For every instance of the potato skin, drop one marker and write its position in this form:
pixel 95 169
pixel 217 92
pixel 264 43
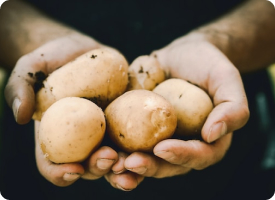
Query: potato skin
pixel 71 129
pixel 192 105
pixel 145 72
pixel 139 119
pixel 99 75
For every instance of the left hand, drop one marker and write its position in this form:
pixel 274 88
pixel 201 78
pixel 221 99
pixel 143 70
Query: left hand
pixel 195 59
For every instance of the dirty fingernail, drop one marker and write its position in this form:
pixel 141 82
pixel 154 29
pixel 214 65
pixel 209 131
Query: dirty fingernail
pixel 216 131
pixel 119 172
pixel 167 155
pixel 70 176
pixel 121 188
pixel 139 170
pixel 104 163
pixel 15 107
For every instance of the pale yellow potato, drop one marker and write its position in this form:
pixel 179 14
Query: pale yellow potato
pixel 71 129
pixel 139 119
pixel 192 105
pixel 145 72
pixel 100 75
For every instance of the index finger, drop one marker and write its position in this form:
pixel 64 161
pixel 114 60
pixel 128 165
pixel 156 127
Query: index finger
pixel 19 91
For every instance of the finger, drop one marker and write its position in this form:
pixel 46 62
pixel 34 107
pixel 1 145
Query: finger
pixel 193 154
pixel 31 69
pixel 231 110
pixel 151 166
pixel 118 167
pixel 58 174
pixel 100 163
pixel 126 181
pixel 19 91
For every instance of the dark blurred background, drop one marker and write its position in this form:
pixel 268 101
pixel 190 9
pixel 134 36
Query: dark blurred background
pixel 246 172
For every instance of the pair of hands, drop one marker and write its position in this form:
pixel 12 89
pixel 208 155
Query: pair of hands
pixel 191 58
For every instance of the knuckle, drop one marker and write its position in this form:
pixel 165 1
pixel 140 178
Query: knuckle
pixel 186 160
pixel 245 113
pixel 203 165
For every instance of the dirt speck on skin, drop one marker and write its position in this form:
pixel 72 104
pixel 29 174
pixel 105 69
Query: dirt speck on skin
pixel 141 69
pixel 30 74
pixel 39 78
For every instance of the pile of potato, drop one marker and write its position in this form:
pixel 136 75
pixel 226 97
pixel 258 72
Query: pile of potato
pixel 99 94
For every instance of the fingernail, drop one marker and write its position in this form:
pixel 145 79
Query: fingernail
pixel 121 188
pixel 15 107
pixel 70 176
pixel 104 163
pixel 119 172
pixel 139 170
pixel 216 131
pixel 167 155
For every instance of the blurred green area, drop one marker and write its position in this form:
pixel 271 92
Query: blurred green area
pixel 3 75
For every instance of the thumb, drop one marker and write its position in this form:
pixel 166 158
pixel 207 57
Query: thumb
pixel 19 92
pixel 211 70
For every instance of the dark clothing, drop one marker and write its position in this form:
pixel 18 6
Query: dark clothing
pixel 136 28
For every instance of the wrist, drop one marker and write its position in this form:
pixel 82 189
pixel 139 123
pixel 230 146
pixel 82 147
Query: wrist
pixel 27 29
pixel 233 43
pixel 245 36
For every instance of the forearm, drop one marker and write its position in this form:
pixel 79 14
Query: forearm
pixel 23 29
pixel 246 35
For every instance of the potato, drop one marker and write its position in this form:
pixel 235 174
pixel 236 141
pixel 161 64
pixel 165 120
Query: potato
pixel 99 75
pixel 145 72
pixel 192 105
pixel 71 129
pixel 139 119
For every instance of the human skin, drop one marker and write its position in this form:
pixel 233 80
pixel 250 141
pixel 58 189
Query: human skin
pixel 212 56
